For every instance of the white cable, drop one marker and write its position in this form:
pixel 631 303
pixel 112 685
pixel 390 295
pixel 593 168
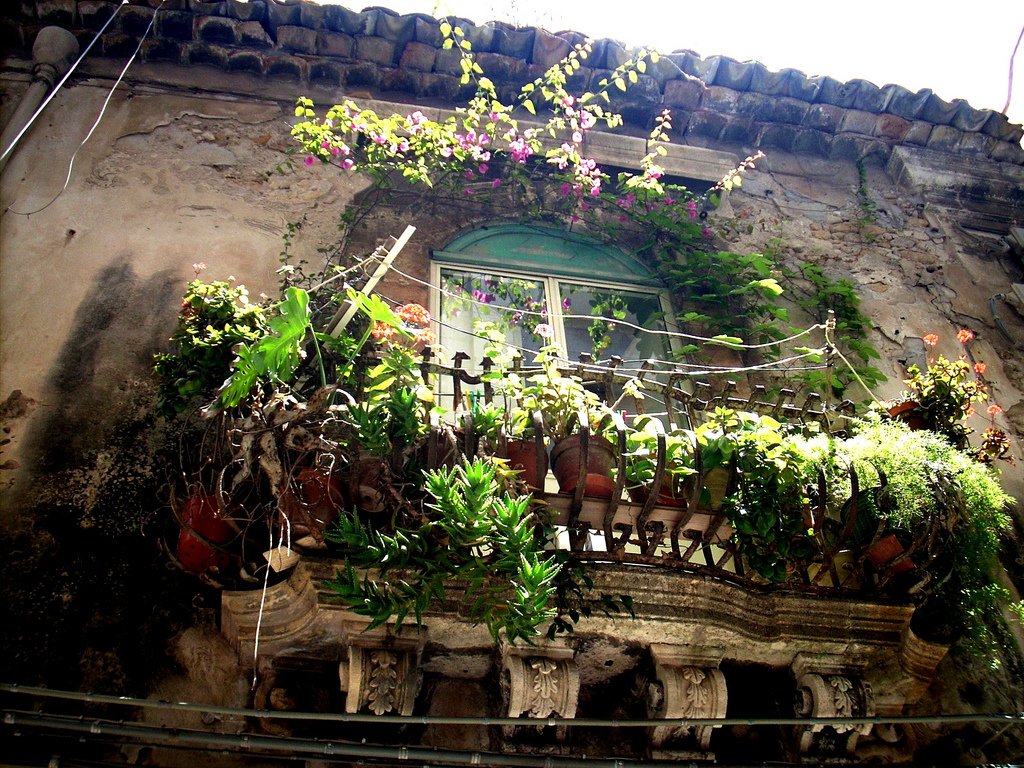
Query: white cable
pixel 63 80
pixel 705 370
pixel 95 125
pixel 675 334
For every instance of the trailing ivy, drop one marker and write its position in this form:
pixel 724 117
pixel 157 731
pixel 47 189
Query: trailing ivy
pixel 816 293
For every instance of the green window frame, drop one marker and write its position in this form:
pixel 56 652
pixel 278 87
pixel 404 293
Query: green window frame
pixel 555 274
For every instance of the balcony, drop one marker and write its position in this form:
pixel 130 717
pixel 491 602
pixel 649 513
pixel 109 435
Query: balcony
pixel 826 597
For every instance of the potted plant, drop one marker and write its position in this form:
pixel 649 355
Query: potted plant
pixel 562 400
pixel 940 398
pixel 768 508
pixel 642 461
pixel 214 318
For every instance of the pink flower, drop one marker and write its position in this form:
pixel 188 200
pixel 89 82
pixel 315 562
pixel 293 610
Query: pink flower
pixel 482 168
pixel 577 137
pixel 496 183
pixel 347 164
pixel 931 339
pixel 310 160
pixel 994 409
pixel 544 330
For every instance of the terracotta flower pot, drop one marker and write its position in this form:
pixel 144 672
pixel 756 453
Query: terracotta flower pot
pixel 565 463
pixel 907 412
pixel 203 528
pixel 364 488
pixel 522 456
pixel 665 498
pixel 312 502
pixel 884 551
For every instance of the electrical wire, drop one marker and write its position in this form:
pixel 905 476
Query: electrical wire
pixel 348 717
pixel 652 331
pixel 63 80
pixel 99 118
pixel 671 365
pixel 835 349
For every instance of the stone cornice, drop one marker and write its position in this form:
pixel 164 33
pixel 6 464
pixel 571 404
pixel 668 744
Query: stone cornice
pixel 304 47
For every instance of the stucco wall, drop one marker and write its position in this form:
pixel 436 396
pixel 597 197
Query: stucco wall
pixel 91 286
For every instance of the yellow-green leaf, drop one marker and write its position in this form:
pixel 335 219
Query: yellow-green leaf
pixel 620 83
pixel 446 28
pixel 632 76
pixel 642 66
pixel 528 106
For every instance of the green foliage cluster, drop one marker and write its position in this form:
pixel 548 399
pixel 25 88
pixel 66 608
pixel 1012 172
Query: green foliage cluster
pixel 214 318
pixel 944 394
pixel 475 536
pixel 927 483
pixel 767 509
pixel 817 294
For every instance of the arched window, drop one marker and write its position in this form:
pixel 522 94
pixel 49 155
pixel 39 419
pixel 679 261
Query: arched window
pixel 520 277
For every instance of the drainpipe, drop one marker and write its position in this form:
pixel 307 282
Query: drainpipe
pixel 53 52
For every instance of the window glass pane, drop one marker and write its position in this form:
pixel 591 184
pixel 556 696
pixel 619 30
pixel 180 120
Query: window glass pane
pixel 515 305
pixel 604 338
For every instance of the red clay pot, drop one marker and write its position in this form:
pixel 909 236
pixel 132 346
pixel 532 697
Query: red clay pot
pixel 316 504
pixel 665 498
pixel 203 527
pixel 907 412
pixel 565 463
pixel 522 456
pixel 884 551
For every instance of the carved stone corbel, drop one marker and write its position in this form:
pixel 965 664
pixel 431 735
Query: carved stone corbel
pixel 688 684
pixel 382 672
pixel 540 681
pixel 827 688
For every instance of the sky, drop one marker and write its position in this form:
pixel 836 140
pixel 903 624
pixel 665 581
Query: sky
pixel 957 50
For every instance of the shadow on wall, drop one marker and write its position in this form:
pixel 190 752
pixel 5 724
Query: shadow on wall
pixel 88 599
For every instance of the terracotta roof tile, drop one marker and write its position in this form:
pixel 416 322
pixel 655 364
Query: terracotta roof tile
pixel 714 99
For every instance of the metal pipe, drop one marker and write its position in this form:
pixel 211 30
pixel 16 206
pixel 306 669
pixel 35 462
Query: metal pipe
pixel 1016 718
pixel 53 49
pixel 311 747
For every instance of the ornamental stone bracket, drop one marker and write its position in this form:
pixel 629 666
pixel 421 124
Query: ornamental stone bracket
pixel 826 687
pixel 688 684
pixel 382 673
pixel 539 681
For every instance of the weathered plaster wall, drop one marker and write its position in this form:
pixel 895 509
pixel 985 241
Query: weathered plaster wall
pixel 171 178
pixel 166 182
